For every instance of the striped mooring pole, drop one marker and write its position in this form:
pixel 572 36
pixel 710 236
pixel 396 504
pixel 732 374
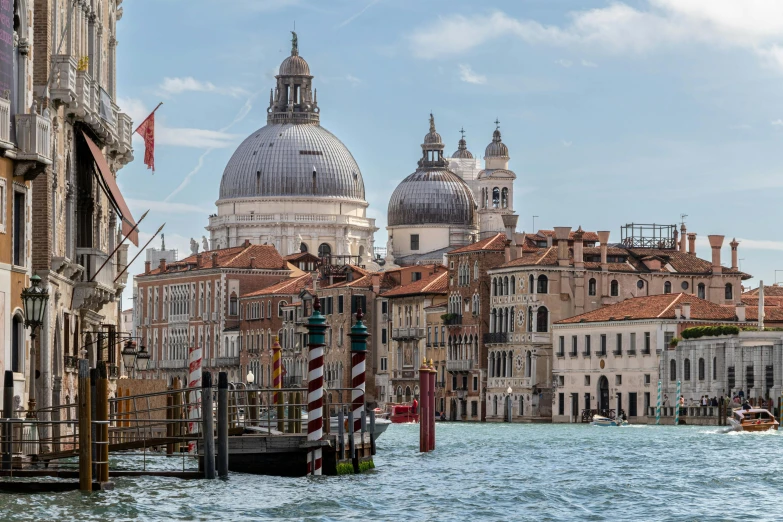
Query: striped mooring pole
pixel 658 407
pixel 677 409
pixel 358 337
pixel 316 327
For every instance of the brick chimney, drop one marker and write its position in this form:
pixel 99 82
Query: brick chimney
pixel 147 267
pixel 603 238
pixel 162 265
pixel 678 312
pixel 692 243
pixel 198 260
pixel 740 311
pixel 561 234
pixel 214 260
pixel 548 241
pixel 579 257
pixel 246 243
pixel 734 260
pixel 376 283
pixel 683 235
pixel 716 242
pixel 686 310
pixel 252 262
pixel 510 223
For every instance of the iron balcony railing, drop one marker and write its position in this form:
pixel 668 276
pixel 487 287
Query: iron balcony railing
pixel 496 338
pixel 459 365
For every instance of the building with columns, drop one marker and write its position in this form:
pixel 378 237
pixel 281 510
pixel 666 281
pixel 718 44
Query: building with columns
pixel 292 183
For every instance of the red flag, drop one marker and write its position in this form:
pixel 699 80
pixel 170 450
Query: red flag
pixel 147 131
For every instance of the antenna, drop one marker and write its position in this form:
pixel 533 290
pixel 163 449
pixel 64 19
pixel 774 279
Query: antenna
pixel 682 218
pixel 776 275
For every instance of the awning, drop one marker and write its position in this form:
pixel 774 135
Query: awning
pixel 114 191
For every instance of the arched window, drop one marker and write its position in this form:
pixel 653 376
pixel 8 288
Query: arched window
pixel 504 198
pixel 714 368
pixel 543 284
pixel 667 287
pixel 701 291
pixel 591 286
pixel 324 250
pixel 528 363
pixel 233 304
pixel 729 291
pixel 494 286
pixel 280 306
pixel 505 286
pixel 686 370
pixel 532 284
pixel 542 319
pixel 513 285
pixel 673 370
pixel 701 369
pixel 303 247
pixel 495 197
pixel 475 271
pixel 529 318
pixel 492 364
pixel 17 344
pixel 614 288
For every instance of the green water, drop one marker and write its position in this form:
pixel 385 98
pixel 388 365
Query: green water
pixel 476 473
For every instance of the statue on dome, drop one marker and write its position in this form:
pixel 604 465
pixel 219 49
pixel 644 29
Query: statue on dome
pixel 294 44
pixel 193 246
pixel 204 243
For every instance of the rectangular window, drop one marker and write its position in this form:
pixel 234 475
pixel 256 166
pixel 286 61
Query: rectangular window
pixel 588 338
pixel 383 336
pixel 731 378
pixel 2 206
pixel 646 378
pixel 561 403
pixel 573 346
pixel 19 229
pixel 561 346
pixel 474 409
pixel 429 336
pixel 749 376
pixel 587 380
pixel 453 382
pixel 442 335
pixel 618 348
pixel 384 307
pixel 384 364
pixel 436 335
pixel 632 344
pixel 339 304
pixel 358 301
pixel 618 380
pixel 647 342
pixel 415 276
pixel 603 344
pixel 667 339
pixel 464 382
pixel 414 241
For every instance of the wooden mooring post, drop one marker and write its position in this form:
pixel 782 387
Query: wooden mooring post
pixel 208 425
pixel 85 440
pixel 177 411
pixel 169 424
pixel 222 432
pixel 102 426
pixel 8 413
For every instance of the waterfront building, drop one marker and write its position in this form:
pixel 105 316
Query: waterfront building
pixel 412 335
pixel 195 302
pixel 435 318
pixel 556 275
pixel 609 358
pixel 292 183
pixel 448 202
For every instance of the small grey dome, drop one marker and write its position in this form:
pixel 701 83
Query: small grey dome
pixel 432 137
pixel 431 196
pixel 279 160
pixel 462 151
pixel 496 149
pixel 294 65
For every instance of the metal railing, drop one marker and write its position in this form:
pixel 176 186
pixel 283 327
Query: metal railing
pixel 496 338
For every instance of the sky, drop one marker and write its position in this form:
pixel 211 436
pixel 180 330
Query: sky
pixel 614 112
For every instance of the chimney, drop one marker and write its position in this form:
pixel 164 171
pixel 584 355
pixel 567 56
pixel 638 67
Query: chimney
pixel 682 237
pixel 579 258
pixel 676 239
pixel 147 266
pixel 162 265
pixel 678 312
pixel 246 243
pixel 548 241
pixel 734 261
pixel 214 260
pixel 740 312
pixel 603 238
pixel 510 222
pixel 561 234
pixel 716 242
pixel 252 262
pixel 376 283
pixel 198 260
pixel 686 310
pixel 692 243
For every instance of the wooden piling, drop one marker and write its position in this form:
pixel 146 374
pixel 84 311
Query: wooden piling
pixel 102 415
pixel 372 432
pixel 208 425
pixel 177 411
pixel 85 440
pixel 222 432
pixel 298 412
pixel 169 424
pixel 341 433
pixel 352 442
pixel 8 413
pixel 93 416
pixel 252 406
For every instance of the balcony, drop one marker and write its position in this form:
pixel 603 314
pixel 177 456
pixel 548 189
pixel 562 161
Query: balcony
pixel 573 353
pixel 459 366
pixel 617 353
pixel 34 141
pixel 586 353
pixel 631 352
pixel 407 333
pixel 172 364
pixel 224 361
pixel 63 86
pixel 452 320
pixel 496 338
pixel 95 288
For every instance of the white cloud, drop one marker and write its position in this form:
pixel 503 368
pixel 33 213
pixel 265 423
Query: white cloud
pixel 466 74
pixel 164 207
pixel 753 25
pixel 588 63
pixel 198 138
pixel 189 84
pixel 567 143
pixel 352 79
pixel 760 244
pixel 564 63
pixel 777 122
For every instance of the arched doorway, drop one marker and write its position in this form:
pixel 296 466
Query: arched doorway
pixel 407 394
pixel 17 344
pixel 603 393
pixel 324 250
pixel 453 412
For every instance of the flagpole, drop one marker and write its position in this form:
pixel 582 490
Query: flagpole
pixel 147 118
pixel 135 226
pixel 139 253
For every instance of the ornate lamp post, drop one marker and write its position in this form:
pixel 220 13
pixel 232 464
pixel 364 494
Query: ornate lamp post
pixel 34 299
pixel 509 400
pixel 143 359
pixel 129 354
pixel 250 378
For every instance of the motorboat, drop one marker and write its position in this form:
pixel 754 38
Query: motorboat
pixel 380 425
pixel 599 420
pixel 753 419
pixel 403 413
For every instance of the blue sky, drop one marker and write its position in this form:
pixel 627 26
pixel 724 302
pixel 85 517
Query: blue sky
pixel 613 112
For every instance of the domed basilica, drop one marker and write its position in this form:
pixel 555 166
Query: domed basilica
pixel 293 183
pixel 448 202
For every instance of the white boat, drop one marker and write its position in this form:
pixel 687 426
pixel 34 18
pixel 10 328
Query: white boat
pixel 380 425
pixel 598 420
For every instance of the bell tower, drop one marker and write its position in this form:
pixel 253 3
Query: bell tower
pixel 293 100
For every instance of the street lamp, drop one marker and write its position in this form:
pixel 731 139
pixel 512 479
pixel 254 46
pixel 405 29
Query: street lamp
pixel 509 400
pixel 250 377
pixel 143 359
pixel 34 299
pixel 129 354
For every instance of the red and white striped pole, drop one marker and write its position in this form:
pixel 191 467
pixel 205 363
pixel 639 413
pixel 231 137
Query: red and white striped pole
pixel 358 359
pixel 316 327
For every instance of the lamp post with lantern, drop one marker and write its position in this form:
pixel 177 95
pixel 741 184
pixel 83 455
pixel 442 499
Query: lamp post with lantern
pixel 133 359
pixel 509 400
pixel 34 299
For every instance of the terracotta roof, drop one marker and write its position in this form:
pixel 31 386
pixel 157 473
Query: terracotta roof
pixel 494 243
pixel 360 282
pixel 656 307
pixel 772 314
pixel 301 255
pixel 265 257
pixel 434 284
pixel 753 300
pixel 769 291
pixel 586 236
pixel 286 287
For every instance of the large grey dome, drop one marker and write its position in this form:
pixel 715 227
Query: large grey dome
pixel 280 160
pixel 431 196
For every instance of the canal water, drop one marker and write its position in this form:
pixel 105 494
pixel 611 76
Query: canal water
pixel 477 472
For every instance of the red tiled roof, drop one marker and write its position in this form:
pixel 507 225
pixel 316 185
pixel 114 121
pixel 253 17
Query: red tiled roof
pixel 586 236
pixel 769 291
pixel 494 243
pixel 753 300
pixel 265 257
pixel 434 284
pixel 286 287
pixel 656 307
pixel 772 314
